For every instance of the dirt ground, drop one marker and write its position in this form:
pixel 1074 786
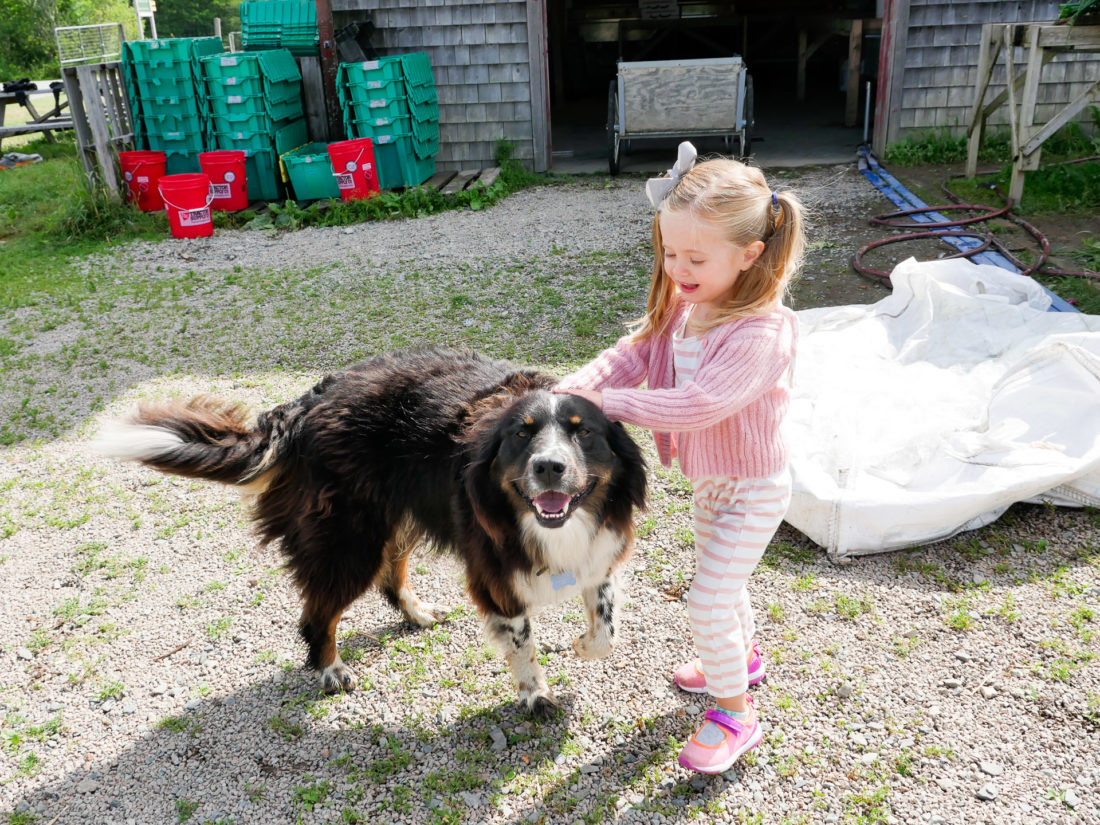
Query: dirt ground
pixel 840 225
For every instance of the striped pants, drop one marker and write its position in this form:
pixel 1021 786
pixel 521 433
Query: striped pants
pixel 734 521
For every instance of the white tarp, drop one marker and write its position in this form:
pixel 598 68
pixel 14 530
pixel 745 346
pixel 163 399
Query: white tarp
pixel 935 409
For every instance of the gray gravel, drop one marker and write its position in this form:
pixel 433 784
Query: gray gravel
pixel 151 671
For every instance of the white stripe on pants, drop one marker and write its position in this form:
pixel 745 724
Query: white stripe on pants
pixel 734 521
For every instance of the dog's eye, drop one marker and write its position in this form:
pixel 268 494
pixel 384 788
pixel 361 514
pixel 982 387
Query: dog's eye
pixel 582 432
pixel 522 434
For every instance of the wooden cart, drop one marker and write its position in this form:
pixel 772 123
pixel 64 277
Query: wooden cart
pixel 679 98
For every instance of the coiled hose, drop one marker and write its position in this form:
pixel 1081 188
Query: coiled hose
pixel 988 240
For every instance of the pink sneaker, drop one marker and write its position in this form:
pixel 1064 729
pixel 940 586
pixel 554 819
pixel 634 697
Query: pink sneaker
pixel 689 676
pixel 719 743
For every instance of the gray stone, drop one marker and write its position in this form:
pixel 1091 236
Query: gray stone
pixel 500 741
pixel 988 691
pixel 991 768
pixel 1070 798
pixel 24 653
pixel 987 792
pixel 88 785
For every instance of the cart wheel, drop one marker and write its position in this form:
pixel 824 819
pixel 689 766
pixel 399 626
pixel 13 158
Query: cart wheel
pixel 613 144
pixel 746 133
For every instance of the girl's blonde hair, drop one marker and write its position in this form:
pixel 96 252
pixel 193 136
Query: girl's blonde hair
pixel 738 201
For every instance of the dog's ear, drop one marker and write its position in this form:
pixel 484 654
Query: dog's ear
pixel 630 476
pixel 491 507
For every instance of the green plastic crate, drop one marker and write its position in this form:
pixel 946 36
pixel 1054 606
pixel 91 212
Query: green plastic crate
pixel 164 120
pixel 169 50
pixel 273 65
pixel 186 143
pixel 235 104
pixel 380 70
pixel 260 174
pixel 251 140
pixel 179 163
pixel 399 163
pixel 166 87
pixel 309 169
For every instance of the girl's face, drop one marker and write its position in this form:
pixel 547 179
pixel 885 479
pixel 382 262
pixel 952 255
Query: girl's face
pixel 701 262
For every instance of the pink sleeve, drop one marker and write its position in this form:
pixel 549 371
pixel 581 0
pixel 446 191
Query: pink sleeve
pixel 745 369
pixel 624 365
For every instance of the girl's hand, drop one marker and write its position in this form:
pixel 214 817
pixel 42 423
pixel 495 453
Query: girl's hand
pixel 595 396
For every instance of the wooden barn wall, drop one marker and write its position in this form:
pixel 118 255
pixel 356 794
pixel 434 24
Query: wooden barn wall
pixel 480 60
pixel 941 64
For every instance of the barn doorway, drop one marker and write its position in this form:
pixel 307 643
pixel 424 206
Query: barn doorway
pixel 797 56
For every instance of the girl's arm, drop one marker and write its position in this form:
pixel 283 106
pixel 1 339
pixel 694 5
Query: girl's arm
pixel 740 374
pixel 624 365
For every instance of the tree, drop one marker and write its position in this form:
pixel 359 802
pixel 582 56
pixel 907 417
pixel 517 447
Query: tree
pixel 195 18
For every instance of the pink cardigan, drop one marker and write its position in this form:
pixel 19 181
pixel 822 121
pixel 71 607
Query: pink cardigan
pixel 727 420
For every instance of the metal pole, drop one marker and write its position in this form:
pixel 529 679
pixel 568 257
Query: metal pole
pixel 867 112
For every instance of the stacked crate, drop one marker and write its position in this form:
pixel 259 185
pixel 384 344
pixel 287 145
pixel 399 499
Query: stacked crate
pixel 393 101
pixel 167 100
pixel 256 105
pixel 280 24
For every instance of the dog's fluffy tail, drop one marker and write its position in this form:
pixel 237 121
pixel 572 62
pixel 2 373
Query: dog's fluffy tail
pixel 203 438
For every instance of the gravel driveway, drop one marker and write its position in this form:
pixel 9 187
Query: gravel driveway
pixel 151 671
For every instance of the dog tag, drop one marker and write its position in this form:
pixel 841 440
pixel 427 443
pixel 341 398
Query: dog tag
pixel 560 580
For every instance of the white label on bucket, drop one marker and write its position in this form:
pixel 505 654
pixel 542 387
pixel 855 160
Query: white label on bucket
pixel 230 177
pixel 383 138
pixel 378 103
pixel 143 179
pixel 345 181
pixel 371 64
pixel 194 217
pixel 234 99
pixel 366 167
pixel 229 61
pixel 231 81
pixel 350 166
pixel 374 84
pixel 221 190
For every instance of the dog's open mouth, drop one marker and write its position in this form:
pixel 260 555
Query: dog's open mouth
pixel 553 507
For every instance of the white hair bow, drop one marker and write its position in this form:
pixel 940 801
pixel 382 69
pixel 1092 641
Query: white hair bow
pixel 657 189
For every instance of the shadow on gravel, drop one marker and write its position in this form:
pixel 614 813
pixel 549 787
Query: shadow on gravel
pixel 277 751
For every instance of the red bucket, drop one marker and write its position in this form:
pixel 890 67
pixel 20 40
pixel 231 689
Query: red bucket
pixel 142 171
pixel 353 165
pixel 225 168
pixel 188 199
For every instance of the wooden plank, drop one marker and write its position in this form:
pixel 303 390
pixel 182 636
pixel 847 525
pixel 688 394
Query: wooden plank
pixel 889 114
pixel 458 183
pixel 439 180
pixel 540 83
pixel 27 128
pixel 1090 95
pixel 489 176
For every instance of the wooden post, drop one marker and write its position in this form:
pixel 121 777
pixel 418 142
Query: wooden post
pixel 987 56
pixel 326 33
pixel 540 83
pixel 855 55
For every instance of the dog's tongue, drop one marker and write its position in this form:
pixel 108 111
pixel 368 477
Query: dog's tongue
pixel 552 502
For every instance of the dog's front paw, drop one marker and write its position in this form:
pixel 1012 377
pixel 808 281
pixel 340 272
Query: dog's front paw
pixel 589 646
pixel 542 705
pixel 337 677
pixel 423 614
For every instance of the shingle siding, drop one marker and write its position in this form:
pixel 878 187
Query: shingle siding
pixel 480 62
pixel 941 63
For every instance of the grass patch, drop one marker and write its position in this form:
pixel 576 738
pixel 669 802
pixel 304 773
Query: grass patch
pixel 48 217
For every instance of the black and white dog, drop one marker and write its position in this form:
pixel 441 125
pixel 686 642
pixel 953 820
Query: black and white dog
pixel 534 491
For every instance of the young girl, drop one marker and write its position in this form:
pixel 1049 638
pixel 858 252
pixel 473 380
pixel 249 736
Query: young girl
pixel 716 346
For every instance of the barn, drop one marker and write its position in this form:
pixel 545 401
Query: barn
pixel 536 72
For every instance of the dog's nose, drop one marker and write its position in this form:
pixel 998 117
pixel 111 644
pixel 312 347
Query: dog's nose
pixel 548 469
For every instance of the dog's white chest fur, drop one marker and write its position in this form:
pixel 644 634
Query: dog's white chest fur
pixel 577 556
